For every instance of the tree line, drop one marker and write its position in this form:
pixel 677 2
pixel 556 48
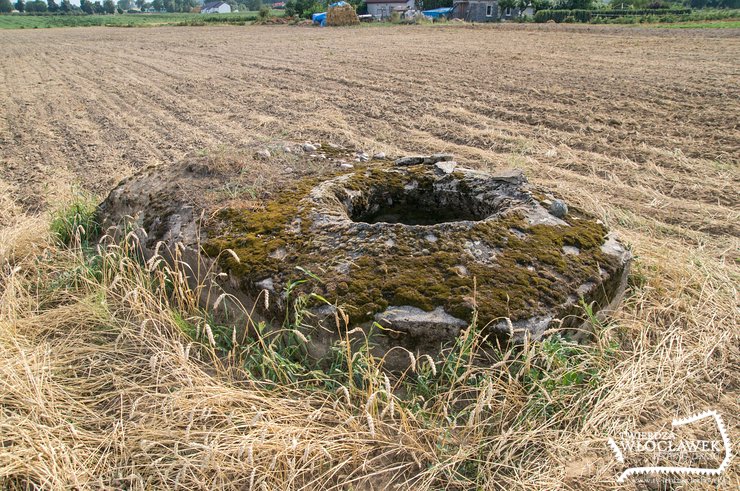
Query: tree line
pixel 111 7
pixel 303 8
pixel 592 4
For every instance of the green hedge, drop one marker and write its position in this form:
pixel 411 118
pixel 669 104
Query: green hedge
pixel 587 15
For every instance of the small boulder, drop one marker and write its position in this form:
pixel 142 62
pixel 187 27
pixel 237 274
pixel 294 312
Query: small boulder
pixel 445 167
pixel 558 209
pixel 412 160
pixel 263 154
pixel 425 159
pixel 307 147
pixel 438 157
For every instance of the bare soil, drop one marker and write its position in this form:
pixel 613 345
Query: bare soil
pixel 645 120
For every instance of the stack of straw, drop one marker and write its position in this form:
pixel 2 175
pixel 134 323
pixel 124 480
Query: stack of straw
pixel 342 15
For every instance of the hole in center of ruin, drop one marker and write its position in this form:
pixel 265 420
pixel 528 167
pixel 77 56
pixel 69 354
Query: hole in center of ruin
pixel 416 206
pixel 413 213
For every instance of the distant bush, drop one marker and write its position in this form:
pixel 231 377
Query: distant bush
pixel 589 15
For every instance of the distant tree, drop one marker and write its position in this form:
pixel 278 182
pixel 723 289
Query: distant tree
pixel 157 5
pixel 65 6
pixel 124 4
pixel 232 4
pixel 575 4
pixel 98 8
pixel 140 4
pixel 109 6
pixel 5 7
pixel 20 6
pixel 36 6
pixel 86 6
pixel 627 4
pixel 254 4
pixel 52 6
pixel 303 8
pixel 180 5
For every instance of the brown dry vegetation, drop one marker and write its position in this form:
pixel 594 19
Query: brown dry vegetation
pixel 637 126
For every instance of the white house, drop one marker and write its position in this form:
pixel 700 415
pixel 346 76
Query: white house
pixel 382 9
pixel 216 8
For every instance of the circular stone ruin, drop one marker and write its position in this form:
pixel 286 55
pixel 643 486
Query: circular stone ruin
pixel 415 247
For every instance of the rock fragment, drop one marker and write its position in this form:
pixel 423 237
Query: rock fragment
pixel 424 159
pixel 438 157
pixel 411 160
pixel 558 209
pixel 445 167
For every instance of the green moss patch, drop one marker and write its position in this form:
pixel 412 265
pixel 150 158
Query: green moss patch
pixel 527 275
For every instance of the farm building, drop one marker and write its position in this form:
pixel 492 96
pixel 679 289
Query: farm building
pixel 487 11
pixel 382 9
pixel 475 10
pixel 216 8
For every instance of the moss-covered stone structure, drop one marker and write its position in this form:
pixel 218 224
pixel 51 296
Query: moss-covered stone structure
pixel 415 247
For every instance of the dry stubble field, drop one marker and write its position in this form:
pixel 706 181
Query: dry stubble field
pixel 638 126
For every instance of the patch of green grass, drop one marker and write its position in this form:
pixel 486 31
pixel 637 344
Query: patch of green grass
pixel 730 24
pixel 75 223
pixel 127 20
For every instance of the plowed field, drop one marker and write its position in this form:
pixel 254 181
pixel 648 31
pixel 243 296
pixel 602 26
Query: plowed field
pixel 638 126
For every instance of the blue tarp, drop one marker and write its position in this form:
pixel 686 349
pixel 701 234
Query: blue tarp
pixel 437 13
pixel 320 19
